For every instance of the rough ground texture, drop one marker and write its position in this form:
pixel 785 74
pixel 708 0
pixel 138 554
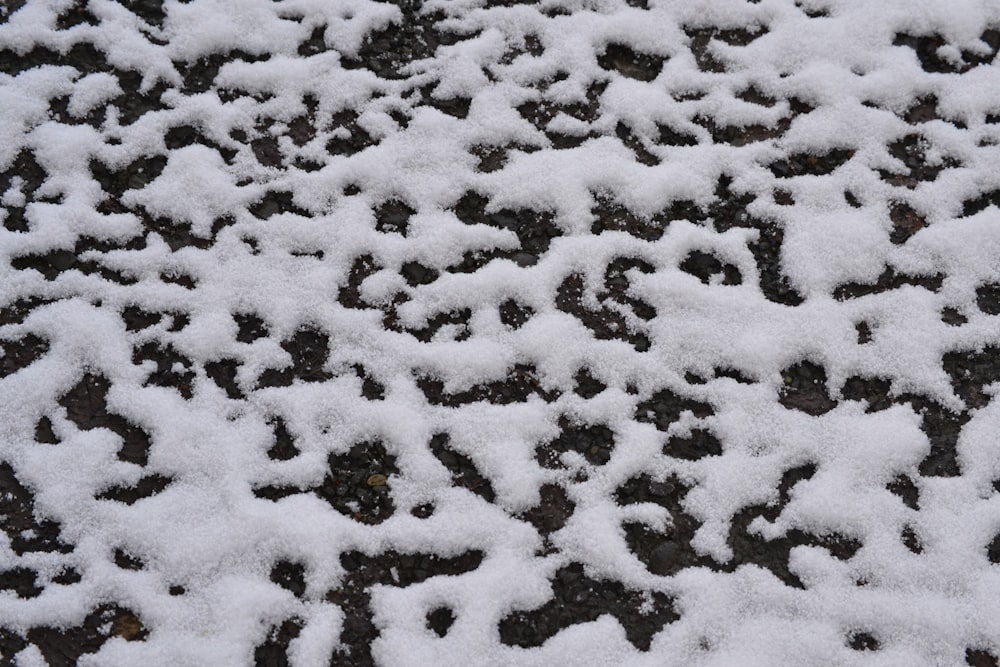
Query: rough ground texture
pixel 494 333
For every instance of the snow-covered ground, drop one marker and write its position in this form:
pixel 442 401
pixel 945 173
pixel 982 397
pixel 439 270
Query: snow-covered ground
pixel 586 332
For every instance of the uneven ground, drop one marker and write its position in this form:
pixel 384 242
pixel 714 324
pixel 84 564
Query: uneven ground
pixel 497 333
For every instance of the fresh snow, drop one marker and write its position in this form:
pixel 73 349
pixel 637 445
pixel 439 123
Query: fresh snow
pixel 210 533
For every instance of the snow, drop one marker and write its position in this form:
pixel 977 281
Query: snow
pixel 209 531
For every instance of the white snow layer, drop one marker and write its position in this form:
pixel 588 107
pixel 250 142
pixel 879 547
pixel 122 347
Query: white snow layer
pixel 209 532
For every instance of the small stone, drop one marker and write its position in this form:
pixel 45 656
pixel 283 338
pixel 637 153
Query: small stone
pixel 663 559
pixel 128 627
pixel 377 479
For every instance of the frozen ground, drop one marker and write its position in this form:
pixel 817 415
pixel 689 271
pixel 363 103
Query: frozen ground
pixel 586 332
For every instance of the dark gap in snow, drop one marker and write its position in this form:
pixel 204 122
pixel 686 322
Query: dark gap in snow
pixel 390 568
pixel 86 406
pixel 284 447
pixel 423 511
pixel 493 158
pixel 371 389
pixel 178 321
pixel 594 441
pixel 980 657
pixel 783 198
pixel 63 647
pixel 668 136
pixel 308 349
pixel 753 95
pixel 663 553
pixel 873 390
pixel 44 433
pixel 273 652
pixel 741 135
pixel 515 314
pixel 729 209
pixel 518 386
pixel 707 268
pixel 133 104
pixel 275 203
pixel 16 311
pixel 356 484
pixel 905 222
pixel 173 370
pixel 862 641
pixel 805 389
pixel 82 55
pixel 701 443
pixel 617 284
pixel 314 44
pixel 178 235
pixel 587 386
pixel 604 323
pixel 55 262
pixel 179 278
pixel 553 510
pixel 981 203
pixel 543 111
pixel 665 407
pixel 942 427
pixel 146 487
pixel 928 55
pixel 971 371
pixel 76 14
pixel 811 164
pixel 137 319
pixel 911 541
pixel 733 374
pixel 223 373
pixel 534 230
pixel 250 327
pixel 417 35
pixel 20 353
pixel 20 580
pixel 137 174
pixel 630 63
pixel 346 136
pixel 578 598
pixel 199 75
pixel 464 473
pixel 127 561
pixel 416 274
pixel 290 576
pixel 150 11
pixel 911 150
pixel 864 332
pixel 610 215
pixel 393 216
pixel 458 107
pixel 988 298
pixel 30 176
pixel 457 320
pixel 182 136
pixel 440 620
pixel 887 280
pixel 953 316
pixel 26 532
pixel 633 143
pixel 924 110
